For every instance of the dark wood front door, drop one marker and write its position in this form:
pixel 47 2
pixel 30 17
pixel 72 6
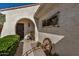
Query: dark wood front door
pixel 20 30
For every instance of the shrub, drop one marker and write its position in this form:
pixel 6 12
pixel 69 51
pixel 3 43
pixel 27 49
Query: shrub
pixel 8 44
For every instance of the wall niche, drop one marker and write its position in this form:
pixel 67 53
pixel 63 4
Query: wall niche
pixel 51 21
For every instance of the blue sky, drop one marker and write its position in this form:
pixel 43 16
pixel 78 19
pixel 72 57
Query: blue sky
pixel 9 5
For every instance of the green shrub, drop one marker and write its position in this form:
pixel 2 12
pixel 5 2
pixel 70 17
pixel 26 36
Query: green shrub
pixel 8 44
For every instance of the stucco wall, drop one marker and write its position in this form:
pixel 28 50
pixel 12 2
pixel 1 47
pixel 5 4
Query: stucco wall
pixel 27 28
pixel 53 37
pixel 69 27
pixel 13 16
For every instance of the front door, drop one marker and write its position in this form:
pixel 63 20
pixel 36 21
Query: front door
pixel 20 30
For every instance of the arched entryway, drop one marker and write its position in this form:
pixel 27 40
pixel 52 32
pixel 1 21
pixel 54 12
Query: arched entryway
pixel 25 26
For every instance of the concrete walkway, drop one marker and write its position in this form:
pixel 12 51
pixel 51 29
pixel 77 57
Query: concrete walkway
pixel 19 50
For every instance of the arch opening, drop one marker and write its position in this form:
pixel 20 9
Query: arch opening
pixel 25 26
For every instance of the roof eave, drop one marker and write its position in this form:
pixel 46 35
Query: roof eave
pixel 6 9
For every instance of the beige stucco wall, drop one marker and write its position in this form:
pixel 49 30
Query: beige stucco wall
pixel 13 16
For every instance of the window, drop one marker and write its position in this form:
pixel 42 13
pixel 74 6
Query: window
pixel 52 21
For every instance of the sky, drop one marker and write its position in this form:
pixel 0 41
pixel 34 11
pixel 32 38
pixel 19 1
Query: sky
pixel 10 5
